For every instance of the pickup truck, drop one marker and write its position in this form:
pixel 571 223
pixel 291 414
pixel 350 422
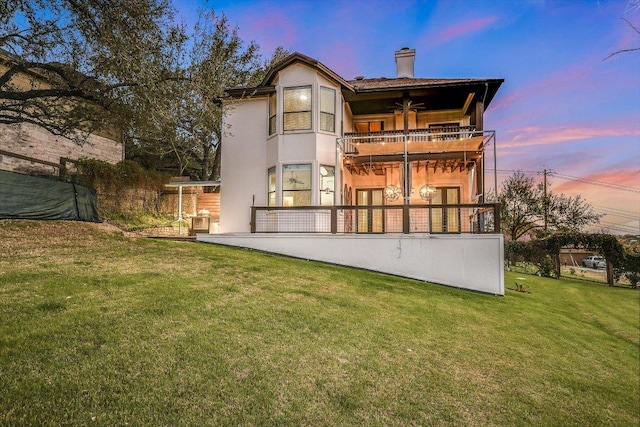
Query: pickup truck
pixel 594 262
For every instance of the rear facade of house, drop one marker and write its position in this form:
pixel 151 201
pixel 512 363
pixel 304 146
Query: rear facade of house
pixel 308 153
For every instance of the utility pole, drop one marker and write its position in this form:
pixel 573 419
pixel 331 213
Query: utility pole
pixel 545 202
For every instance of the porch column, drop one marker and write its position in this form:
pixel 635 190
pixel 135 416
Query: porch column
pixel 179 202
pixel 479 125
pixel 405 111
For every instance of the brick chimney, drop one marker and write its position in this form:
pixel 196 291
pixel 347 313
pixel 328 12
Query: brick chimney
pixel 405 58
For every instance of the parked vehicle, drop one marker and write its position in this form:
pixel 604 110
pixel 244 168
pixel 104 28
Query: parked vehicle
pixel 594 262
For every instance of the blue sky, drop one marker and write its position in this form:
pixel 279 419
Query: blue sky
pixel 562 106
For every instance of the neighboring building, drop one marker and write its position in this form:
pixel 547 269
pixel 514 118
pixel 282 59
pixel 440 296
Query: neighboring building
pixel 28 148
pixel 311 153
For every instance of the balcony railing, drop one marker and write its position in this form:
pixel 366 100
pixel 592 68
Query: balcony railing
pixel 432 219
pixel 439 139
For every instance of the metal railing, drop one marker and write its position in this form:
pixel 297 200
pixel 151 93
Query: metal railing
pixel 352 140
pixel 432 219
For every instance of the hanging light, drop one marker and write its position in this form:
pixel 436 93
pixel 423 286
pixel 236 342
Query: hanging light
pixel 391 193
pixel 427 192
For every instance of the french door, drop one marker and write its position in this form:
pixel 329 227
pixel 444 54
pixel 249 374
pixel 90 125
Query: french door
pixel 369 220
pixel 445 220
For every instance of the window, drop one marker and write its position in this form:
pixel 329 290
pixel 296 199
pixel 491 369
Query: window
pixel 296 185
pixel 375 126
pixel 445 220
pixel 327 109
pixel 272 113
pixel 297 108
pixel 271 178
pixel 327 179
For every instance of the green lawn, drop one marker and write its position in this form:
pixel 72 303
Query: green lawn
pixel 97 329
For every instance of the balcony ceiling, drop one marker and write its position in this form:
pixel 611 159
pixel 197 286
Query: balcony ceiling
pixel 383 96
pixel 375 104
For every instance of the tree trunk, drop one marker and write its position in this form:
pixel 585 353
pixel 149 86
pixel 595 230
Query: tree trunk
pixel 215 173
pixel 557 265
pixel 610 277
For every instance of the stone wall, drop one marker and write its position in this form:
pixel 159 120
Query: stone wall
pixel 33 141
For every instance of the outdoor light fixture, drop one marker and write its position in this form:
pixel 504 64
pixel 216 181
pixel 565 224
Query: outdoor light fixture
pixel 391 193
pixel 427 192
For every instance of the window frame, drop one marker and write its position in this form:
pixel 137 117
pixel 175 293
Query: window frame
pixel 285 112
pixel 328 190
pixel 273 114
pixel 291 192
pixel 271 191
pixel 323 112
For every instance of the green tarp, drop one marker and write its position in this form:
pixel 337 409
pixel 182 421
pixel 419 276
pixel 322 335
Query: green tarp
pixel 28 197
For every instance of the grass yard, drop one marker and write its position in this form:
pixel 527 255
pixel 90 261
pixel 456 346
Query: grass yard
pixel 102 330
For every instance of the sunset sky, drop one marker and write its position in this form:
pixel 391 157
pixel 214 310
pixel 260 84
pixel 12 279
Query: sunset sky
pixel 563 107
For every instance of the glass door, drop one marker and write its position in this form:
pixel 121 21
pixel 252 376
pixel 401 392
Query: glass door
pixel 369 220
pixel 445 220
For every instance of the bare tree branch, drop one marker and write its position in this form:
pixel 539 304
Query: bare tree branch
pixel 625 50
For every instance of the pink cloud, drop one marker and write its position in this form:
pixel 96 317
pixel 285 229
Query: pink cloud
pixel 458 29
pixel 533 136
pixel 625 177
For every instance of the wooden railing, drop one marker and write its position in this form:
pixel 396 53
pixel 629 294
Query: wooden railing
pixel 407 219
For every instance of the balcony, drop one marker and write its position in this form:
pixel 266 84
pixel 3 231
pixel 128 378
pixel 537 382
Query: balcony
pixel 406 219
pixel 418 144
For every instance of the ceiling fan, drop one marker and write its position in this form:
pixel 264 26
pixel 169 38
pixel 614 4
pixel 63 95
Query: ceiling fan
pixel 294 180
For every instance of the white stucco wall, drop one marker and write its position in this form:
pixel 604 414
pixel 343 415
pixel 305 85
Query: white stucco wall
pixel 243 164
pixel 473 262
pixel 248 152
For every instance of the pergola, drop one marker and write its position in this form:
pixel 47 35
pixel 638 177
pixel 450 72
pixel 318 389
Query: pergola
pixel 180 185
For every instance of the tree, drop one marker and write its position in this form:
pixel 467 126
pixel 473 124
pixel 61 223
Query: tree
pixel 634 49
pixel 520 205
pixel 524 207
pixel 191 135
pixel 69 65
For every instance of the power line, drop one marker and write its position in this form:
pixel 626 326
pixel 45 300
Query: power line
pixel 619 227
pixel 593 182
pixel 607 208
pixel 574 178
pixel 621 215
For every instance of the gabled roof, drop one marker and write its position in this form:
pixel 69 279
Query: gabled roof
pixel 363 91
pixel 266 87
pixel 300 58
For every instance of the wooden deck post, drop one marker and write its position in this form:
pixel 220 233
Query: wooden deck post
pixel 496 218
pixel 334 220
pixel 253 219
pixel 406 219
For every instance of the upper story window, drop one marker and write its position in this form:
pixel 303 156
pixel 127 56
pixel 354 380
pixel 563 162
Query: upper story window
pixel 272 113
pixel 297 108
pixel 327 109
pixel 372 126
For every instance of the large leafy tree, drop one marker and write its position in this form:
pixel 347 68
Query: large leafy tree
pixel 524 207
pixel 182 125
pixel 69 65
